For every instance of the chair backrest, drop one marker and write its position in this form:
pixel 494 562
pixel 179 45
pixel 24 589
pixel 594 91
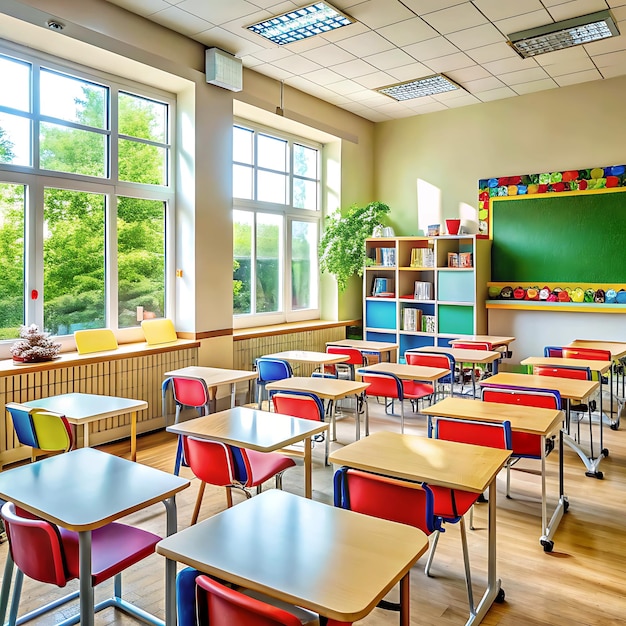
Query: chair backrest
pixel 488 434
pixel 556 351
pixel 383 384
pixel 40 429
pixel 592 354
pixel 190 391
pixel 210 461
pixel 385 497
pixel 36 546
pixel 563 371
pixel 159 331
pixel 473 345
pixel 95 340
pixel 430 359
pixel 298 404
pixel 542 398
pixel 270 369
pixel 356 357
pixel 219 605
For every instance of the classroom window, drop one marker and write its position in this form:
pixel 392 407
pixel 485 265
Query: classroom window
pixel 85 190
pixel 276 192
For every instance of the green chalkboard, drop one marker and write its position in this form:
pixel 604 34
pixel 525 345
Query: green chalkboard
pixel 568 237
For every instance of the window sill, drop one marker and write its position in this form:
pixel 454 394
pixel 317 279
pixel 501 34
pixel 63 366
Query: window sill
pixel 288 328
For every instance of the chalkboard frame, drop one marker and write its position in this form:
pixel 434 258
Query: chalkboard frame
pixel 570 237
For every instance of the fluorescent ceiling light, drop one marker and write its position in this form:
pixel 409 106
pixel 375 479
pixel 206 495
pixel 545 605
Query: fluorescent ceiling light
pixel 565 34
pixel 429 86
pixel 314 19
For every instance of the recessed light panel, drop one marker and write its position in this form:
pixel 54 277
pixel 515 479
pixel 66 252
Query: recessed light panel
pixel 565 34
pixel 314 19
pixel 429 86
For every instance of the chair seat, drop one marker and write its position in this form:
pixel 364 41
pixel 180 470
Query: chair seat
pixel 115 547
pixel 414 390
pixel 306 617
pixel 265 465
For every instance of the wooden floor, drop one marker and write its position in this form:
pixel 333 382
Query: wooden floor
pixel 581 582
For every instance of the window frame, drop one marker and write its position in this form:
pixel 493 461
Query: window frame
pixel 35 179
pixel 289 214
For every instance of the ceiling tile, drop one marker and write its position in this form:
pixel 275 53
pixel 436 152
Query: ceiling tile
pixel 429 6
pixel 511 64
pixel 468 74
pixel 455 18
pixel 345 87
pixel 463 101
pixel 495 94
pixel 297 65
pixel 142 7
pixel 614 44
pixel 269 55
pixel 450 62
pixel 614 70
pixel 365 44
pixel 219 38
pixel 612 58
pixel 566 10
pixel 409 72
pixel 431 49
pixel 524 21
pixel 483 84
pixel 181 21
pixel 408 32
pixel 218 12
pixel 322 76
pixel 523 76
pixel 375 80
pixel 353 69
pixel 577 77
pixel 578 65
pixel 345 32
pixel 534 85
pixel 502 9
pixel 376 14
pixel 328 54
pixel 492 52
pixel 476 37
pixel 389 59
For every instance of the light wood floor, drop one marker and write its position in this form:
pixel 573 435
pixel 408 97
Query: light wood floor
pixel 580 583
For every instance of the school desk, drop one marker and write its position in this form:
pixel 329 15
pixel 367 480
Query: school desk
pixel 365 347
pixel 308 357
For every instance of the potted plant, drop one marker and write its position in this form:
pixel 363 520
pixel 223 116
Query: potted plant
pixel 34 346
pixel 342 247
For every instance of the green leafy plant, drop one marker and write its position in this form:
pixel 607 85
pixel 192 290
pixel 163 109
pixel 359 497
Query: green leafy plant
pixel 342 247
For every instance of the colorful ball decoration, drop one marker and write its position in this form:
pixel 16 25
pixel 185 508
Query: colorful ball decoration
pixel 494 292
pixel 621 297
pixel 577 295
pixel 519 293
pixel 610 296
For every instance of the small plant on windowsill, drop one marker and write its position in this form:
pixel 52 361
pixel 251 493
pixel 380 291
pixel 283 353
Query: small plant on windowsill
pixel 34 346
pixel 342 247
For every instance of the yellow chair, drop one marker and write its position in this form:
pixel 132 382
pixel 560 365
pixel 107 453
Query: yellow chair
pixel 159 331
pixel 95 340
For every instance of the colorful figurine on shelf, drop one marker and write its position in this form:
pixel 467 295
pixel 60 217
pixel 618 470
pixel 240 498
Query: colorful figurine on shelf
pixel 599 296
pixel 577 295
pixel 519 293
pixel 544 293
pixel 506 293
pixel 564 296
pixel 589 295
pixel 611 296
pixel 494 292
pixel 532 293
pixel 621 297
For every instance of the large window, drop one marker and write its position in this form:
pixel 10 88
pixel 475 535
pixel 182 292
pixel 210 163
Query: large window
pixel 276 191
pixel 85 190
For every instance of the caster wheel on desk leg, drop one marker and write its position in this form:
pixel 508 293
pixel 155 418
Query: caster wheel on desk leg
pixel 598 475
pixel 565 506
pixel 614 426
pixel 481 498
pixel 500 597
pixel 548 545
pixel 605 452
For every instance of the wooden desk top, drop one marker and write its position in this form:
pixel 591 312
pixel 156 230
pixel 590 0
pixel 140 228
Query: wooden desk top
pixel 307 356
pixel 434 461
pixel 86 488
pixel 463 355
pixel 214 376
pixel 494 340
pixel 595 366
pixel 616 348
pixel 524 419
pixel 366 346
pixel 325 559
pixel 255 430
pixel 87 407
pixel 569 388
pixel 326 388
pixel 406 372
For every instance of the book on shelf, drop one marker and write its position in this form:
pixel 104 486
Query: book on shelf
pixel 383 287
pixel 428 323
pixel 465 259
pixel 423 290
pixel 385 257
pixel 412 319
pixel 422 257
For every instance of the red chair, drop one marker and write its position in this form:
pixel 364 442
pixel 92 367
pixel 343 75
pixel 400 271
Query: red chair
pixel 188 392
pixel 304 405
pixel 227 466
pixel 452 504
pixel 219 605
pixel 387 498
pixel 524 445
pixel 389 386
pixel 334 370
pixel 49 554
pixel 472 372
pixel 434 359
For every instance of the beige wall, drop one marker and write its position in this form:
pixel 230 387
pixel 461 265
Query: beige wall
pixel 569 128
pixel 101 35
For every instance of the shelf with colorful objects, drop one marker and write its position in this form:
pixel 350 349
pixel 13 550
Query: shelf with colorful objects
pixel 571 297
pixel 429 295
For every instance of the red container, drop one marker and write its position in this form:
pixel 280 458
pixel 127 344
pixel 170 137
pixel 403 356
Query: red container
pixel 452 226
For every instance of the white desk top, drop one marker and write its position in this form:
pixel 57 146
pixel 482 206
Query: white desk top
pixel 326 388
pixel 406 372
pixel 213 376
pixel 556 361
pixel 328 560
pixel 307 356
pixel 255 430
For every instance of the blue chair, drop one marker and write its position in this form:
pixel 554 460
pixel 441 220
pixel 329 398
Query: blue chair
pixel 269 370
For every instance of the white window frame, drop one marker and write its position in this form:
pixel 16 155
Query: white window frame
pixel 36 180
pixel 289 214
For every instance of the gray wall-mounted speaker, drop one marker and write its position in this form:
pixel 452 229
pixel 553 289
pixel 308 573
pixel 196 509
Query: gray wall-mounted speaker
pixel 224 70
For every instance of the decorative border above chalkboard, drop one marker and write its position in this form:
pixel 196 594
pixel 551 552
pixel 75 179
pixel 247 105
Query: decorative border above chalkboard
pixel 548 182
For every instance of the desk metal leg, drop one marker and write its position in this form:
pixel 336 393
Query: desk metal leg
pixel 494 592
pixel 308 483
pixel 170 566
pixel 590 461
pixel 133 436
pixel 6 587
pixel 84 567
pixel 405 600
pixel 549 528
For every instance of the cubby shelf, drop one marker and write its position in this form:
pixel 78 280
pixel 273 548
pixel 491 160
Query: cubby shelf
pixel 453 305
